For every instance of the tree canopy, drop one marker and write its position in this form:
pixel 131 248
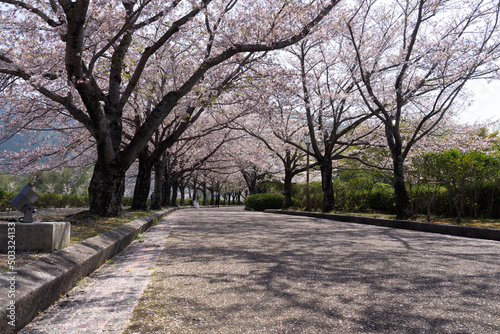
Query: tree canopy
pixel 169 87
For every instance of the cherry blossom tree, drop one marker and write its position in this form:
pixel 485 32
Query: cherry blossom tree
pixel 254 162
pixel 308 91
pixel 292 158
pixel 88 57
pixel 6 80
pixel 191 154
pixel 411 60
pixel 221 174
pixel 176 124
pixel 332 113
pixel 275 121
pixel 44 136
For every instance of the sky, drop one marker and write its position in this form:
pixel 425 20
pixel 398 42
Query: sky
pixel 486 101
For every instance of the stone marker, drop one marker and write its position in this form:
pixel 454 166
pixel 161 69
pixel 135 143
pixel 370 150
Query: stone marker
pixel 38 236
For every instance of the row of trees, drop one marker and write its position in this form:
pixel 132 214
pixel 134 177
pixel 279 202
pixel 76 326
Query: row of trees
pixel 207 88
pixel 120 74
pixel 387 76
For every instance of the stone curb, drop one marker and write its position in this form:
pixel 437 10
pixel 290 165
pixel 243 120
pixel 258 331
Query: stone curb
pixel 42 282
pixel 455 230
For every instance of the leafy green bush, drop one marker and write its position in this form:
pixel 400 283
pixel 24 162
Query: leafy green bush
pixel 5 197
pixel 315 196
pixel 46 201
pixel 61 201
pixel 468 178
pixel 187 201
pixel 261 202
pixel 382 199
pixel 127 201
pixel 50 201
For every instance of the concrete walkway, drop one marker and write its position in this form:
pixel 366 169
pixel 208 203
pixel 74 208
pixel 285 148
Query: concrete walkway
pixel 232 271
pixel 104 301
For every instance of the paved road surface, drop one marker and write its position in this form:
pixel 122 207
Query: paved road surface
pixel 232 271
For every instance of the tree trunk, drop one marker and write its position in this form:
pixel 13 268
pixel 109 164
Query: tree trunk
pixel 106 190
pixel 287 189
pixel 327 185
pixel 166 191
pixel 175 187
pixel 195 185
pixel 212 196
pixel 182 188
pixel 251 181
pixel 142 183
pixel 204 192
pixel 402 200
pixel 158 190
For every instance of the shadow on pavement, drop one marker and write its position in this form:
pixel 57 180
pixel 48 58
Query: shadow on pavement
pixel 245 272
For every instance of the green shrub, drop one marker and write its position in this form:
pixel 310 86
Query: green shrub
pixel 432 199
pixel 382 199
pixel 187 201
pixel 5 197
pixel 261 202
pixel 127 201
pixel 61 201
pixel 315 196
pixel 50 201
pixel 46 201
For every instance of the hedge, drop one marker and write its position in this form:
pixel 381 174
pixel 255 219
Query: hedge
pixel 46 201
pixel 261 202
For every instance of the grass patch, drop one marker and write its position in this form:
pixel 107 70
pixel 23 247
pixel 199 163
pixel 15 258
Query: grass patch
pixel 85 226
pixel 372 215
pixel 80 282
pixel 475 222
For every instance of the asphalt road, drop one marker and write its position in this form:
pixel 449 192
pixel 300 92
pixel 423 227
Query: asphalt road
pixel 232 271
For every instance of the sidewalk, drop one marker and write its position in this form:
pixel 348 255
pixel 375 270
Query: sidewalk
pixel 105 300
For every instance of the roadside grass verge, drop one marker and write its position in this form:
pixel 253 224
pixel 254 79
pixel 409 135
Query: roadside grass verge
pixel 83 227
pixel 467 221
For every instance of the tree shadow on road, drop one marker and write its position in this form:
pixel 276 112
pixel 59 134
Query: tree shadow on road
pixel 239 272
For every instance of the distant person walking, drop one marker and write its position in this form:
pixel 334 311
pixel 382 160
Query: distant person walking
pixel 217 200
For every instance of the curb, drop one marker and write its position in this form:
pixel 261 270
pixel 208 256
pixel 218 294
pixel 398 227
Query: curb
pixel 455 230
pixel 42 282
